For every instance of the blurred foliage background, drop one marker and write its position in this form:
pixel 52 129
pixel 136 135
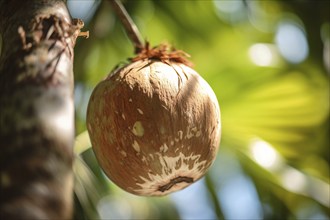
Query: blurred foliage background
pixel 268 63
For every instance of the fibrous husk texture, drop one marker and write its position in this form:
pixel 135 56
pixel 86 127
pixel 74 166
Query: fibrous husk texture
pixel 154 126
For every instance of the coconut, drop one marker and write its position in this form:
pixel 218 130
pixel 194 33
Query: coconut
pixel 154 124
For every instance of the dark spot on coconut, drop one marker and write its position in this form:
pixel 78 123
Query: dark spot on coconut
pixel 174 181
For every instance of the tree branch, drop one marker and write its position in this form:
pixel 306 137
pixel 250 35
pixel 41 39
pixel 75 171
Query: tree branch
pixel 130 27
pixel 37 112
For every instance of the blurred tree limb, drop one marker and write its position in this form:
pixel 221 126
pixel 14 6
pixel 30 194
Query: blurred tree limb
pixel 37 112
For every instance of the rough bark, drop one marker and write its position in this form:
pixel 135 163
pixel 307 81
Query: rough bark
pixel 37 113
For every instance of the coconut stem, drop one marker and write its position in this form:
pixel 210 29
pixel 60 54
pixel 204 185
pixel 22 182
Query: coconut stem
pixel 130 27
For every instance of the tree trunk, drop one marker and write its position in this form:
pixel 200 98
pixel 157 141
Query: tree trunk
pixel 37 112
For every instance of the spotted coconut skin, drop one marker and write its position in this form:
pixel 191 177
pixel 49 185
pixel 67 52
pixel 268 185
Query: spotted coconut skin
pixel 154 127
